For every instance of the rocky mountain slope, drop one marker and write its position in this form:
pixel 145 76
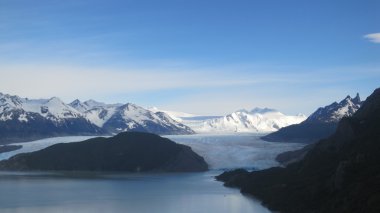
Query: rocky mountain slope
pixel 339 174
pixel 318 125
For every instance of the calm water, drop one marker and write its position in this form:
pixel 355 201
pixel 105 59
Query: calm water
pixel 166 193
pixel 153 193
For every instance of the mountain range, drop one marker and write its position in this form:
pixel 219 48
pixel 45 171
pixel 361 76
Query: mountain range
pixel 23 119
pixel 255 120
pixel 116 118
pixel 319 124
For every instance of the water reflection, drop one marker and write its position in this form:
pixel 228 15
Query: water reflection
pixel 105 192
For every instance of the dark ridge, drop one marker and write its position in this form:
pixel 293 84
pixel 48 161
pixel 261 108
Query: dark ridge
pixel 129 152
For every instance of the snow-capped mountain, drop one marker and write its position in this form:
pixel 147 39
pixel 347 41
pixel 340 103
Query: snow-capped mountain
pixel 52 109
pixel 37 118
pixel 319 124
pixel 262 110
pixel 23 119
pixel 177 116
pixel 336 111
pixel 256 120
pixel 91 104
pixel 115 118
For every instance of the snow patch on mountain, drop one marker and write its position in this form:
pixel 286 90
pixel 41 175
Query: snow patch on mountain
pixel 100 115
pixel 6 116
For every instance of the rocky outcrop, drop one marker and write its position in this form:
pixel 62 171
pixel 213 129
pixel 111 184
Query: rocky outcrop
pixel 129 151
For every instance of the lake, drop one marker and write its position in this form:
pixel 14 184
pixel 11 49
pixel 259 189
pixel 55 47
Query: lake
pixel 142 192
pixel 91 192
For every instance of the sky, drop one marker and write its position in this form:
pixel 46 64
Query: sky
pixel 199 56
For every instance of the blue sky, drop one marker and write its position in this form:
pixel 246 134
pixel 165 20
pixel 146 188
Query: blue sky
pixel 205 57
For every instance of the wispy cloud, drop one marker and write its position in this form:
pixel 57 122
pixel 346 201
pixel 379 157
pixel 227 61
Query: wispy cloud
pixel 68 82
pixel 373 37
pixel 204 90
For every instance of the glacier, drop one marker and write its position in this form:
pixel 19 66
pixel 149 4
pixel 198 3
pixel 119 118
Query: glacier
pixel 221 151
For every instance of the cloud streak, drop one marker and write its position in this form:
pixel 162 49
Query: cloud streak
pixel 373 37
pixel 66 81
pixel 206 90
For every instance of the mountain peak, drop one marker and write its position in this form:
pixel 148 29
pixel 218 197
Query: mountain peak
pixel 242 110
pixel 258 120
pixel 153 109
pixel 131 106
pixel 9 96
pixel 335 111
pixel 357 100
pixel 78 105
pixel 76 102
pixel 262 110
pixel 349 99
pixel 54 99
pixel 92 103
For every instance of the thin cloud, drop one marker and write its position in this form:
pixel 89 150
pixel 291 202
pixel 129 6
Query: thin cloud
pixel 72 81
pixel 373 37
pixel 208 90
pixel 68 82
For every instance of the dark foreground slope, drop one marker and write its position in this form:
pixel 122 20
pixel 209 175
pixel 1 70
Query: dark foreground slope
pixel 339 174
pixel 129 151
